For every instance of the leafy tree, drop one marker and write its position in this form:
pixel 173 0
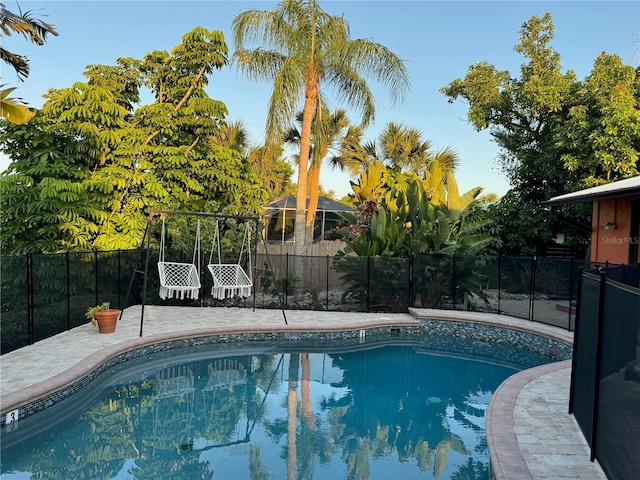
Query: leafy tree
pixel 556 134
pixel 34 30
pixel 273 169
pixel 46 207
pixel 94 165
pixel 601 132
pixel 268 164
pixel 304 50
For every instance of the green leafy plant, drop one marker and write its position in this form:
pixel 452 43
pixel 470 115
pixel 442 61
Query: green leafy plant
pixel 407 224
pixel 91 311
pixel 289 285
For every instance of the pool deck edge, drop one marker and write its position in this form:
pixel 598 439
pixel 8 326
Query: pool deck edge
pixel 508 442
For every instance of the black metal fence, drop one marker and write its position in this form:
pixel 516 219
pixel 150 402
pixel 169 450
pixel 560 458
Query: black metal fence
pixel 605 383
pixel 42 295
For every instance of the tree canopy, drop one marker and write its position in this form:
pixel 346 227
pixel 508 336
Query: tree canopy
pixel 557 134
pixel 305 52
pixel 87 169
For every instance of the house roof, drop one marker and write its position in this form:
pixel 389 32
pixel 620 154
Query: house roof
pixel 621 188
pixel 324 204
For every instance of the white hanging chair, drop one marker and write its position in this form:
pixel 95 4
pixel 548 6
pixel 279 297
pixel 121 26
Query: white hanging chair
pixel 230 280
pixel 179 280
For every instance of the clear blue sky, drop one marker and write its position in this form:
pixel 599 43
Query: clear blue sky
pixel 437 40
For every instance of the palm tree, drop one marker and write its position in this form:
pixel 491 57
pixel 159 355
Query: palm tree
pixel 399 156
pixel 301 48
pixel 328 133
pixel 14 109
pixel 402 148
pixel 269 163
pixel 34 30
pixel 233 134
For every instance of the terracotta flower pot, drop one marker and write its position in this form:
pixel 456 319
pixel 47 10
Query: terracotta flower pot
pixel 107 320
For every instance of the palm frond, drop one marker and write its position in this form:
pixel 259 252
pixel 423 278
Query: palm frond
pixel 25 24
pixel 19 62
pixel 373 59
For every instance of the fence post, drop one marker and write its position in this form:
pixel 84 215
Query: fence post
pixel 368 281
pixel 120 279
pixel 575 343
pixel 327 270
pixel 30 326
pixel 69 292
pixel 532 288
pixel 596 390
pixel 453 280
pixel 411 297
pixel 95 269
pixel 570 292
pixel 286 281
pixel 499 278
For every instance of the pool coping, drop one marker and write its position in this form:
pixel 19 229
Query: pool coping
pixel 92 362
pixel 507 462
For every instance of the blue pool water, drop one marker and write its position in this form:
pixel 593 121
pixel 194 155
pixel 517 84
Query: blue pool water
pixel 414 410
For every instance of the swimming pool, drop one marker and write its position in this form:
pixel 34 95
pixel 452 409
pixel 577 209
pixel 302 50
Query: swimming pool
pixel 398 408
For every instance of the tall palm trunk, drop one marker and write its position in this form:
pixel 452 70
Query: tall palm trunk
pixel 311 97
pixel 314 188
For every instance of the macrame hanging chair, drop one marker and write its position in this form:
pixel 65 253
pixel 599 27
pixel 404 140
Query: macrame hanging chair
pixel 179 280
pixel 230 280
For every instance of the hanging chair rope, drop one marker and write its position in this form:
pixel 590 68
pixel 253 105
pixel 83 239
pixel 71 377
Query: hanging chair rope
pixel 179 280
pixel 229 280
pixel 215 243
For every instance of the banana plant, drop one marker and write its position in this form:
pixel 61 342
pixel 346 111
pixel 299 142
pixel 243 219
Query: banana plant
pixel 14 109
pixel 406 224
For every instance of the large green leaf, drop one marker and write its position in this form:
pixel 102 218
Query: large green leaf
pixel 14 109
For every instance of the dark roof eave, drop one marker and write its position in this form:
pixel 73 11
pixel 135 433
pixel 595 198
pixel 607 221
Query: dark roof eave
pixel 588 198
pixel 621 188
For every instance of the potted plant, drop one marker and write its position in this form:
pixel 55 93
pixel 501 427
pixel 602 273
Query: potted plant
pixel 104 317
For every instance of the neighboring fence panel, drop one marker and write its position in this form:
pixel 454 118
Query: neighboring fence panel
pixel 618 421
pixel 605 386
pixel 317 249
pixel 584 355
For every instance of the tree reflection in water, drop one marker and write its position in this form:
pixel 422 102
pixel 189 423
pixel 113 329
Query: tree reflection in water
pixel 375 413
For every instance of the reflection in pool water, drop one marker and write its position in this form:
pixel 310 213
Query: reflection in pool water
pixel 390 412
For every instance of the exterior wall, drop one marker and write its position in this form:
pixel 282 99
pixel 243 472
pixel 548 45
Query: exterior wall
pixel 612 245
